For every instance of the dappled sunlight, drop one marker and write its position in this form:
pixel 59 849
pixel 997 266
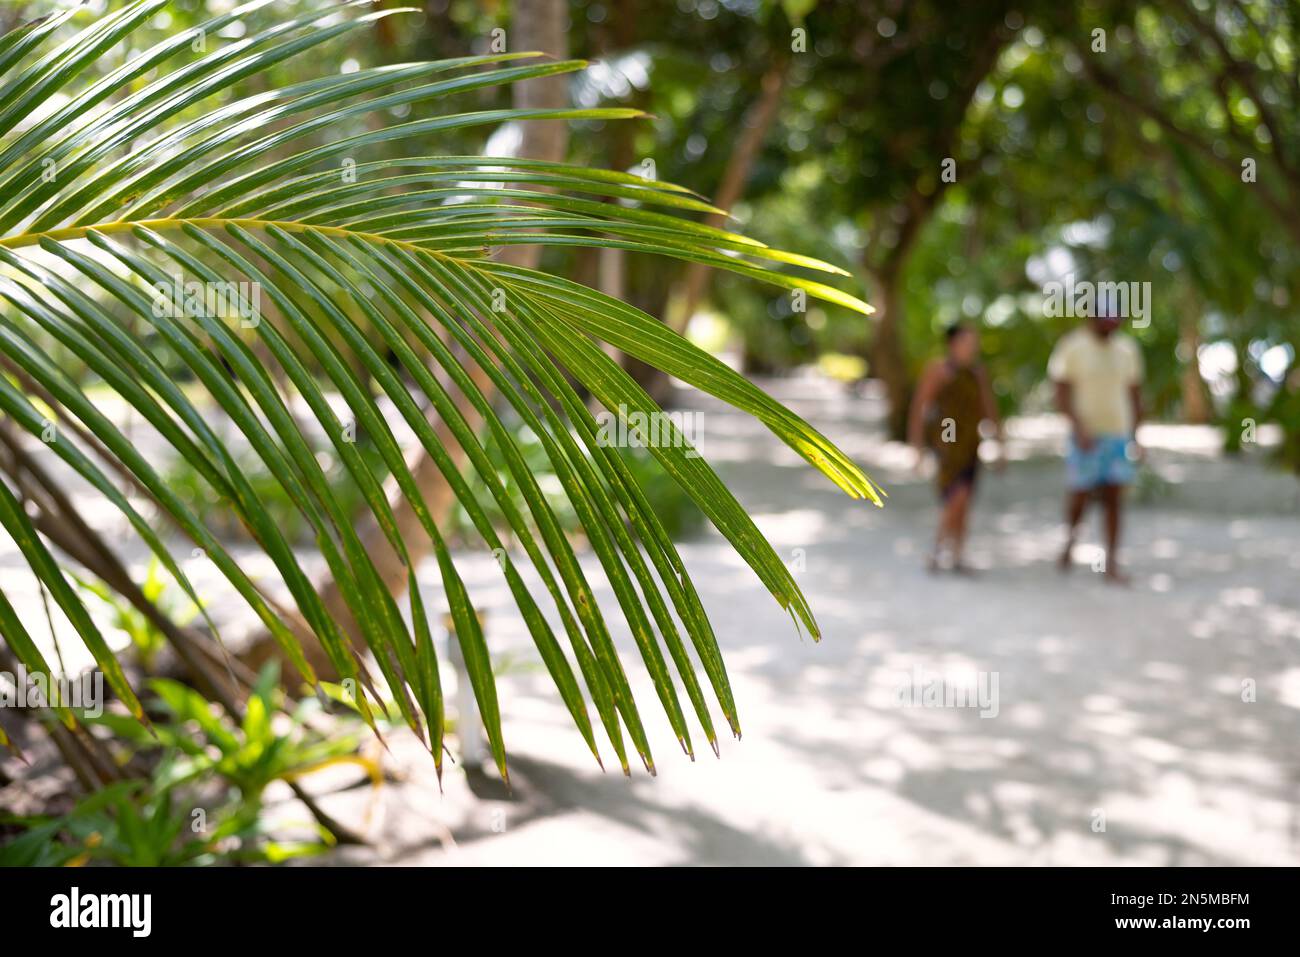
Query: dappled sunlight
pixel 680 433
pixel 1124 705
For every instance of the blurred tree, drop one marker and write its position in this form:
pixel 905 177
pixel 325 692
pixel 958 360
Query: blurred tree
pixel 893 84
pixel 735 175
pixel 1225 85
pixel 1223 105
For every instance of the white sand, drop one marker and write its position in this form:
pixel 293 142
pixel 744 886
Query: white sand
pixel 1121 707
pixel 1122 704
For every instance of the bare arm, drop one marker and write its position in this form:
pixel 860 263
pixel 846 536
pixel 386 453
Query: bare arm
pixel 989 402
pixel 990 409
pixel 926 390
pixel 1065 404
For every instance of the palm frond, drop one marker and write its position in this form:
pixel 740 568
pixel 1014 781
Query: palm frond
pixel 382 280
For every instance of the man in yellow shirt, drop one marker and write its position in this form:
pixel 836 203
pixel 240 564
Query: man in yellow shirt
pixel 1097 371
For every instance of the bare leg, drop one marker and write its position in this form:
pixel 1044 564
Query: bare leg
pixel 1112 498
pixel 942 533
pixel 959 510
pixel 1076 503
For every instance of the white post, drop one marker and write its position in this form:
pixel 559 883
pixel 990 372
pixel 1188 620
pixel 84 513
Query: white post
pixel 469 726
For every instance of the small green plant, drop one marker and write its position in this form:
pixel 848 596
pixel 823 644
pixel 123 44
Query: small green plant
pixel 203 802
pixel 147 639
pixel 128 823
pixel 248 756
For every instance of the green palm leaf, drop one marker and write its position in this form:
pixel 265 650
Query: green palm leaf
pixel 378 284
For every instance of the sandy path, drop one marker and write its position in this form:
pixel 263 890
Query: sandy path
pixel 1125 705
pixel 1115 706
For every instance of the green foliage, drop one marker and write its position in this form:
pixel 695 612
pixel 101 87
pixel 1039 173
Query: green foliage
pixel 369 253
pixel 673 507
pixel 146 638
pixel 129 823
pixel 202 802
pixel 1130 161
pixel 191 486
pixel 248 756
pixel 773 334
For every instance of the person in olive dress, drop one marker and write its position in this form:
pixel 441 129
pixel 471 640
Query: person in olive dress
pixel 952 399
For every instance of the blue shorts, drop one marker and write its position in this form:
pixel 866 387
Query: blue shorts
pixel 1107 463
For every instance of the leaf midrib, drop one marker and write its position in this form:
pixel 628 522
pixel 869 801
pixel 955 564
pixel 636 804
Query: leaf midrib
pixel 66 233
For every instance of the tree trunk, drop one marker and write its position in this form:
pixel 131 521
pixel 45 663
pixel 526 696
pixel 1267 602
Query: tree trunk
pixel 885 356
pixel 618 36
pixel 685 299
pixel 1196 401
pixel 739 165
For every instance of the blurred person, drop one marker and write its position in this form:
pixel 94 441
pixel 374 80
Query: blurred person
pixel 952 400
pixel 1098 372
